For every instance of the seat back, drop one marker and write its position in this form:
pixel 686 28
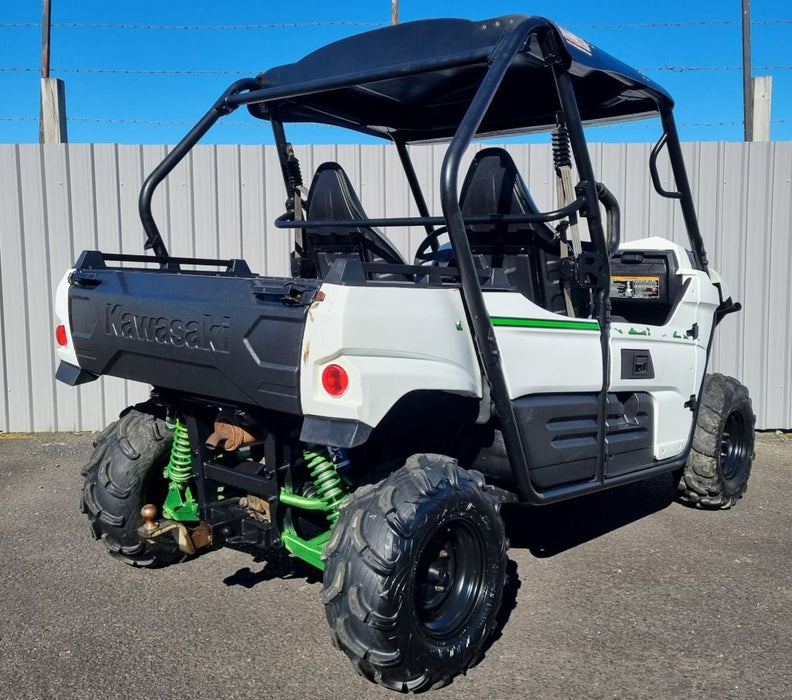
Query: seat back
pixel 331 196
pixel 528 252
pixel 493 185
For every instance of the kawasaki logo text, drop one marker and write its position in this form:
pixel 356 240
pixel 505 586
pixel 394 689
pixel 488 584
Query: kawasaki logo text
pixel 208 333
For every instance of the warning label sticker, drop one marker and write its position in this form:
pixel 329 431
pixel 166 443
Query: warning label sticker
pixel 635 287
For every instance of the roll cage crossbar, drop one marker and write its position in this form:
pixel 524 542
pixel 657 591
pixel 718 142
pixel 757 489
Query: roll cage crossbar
pixel 548 52
pixel 286 220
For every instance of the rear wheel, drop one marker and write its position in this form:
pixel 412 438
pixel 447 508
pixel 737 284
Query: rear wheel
pixel 123 474
pixel 414 574
pixel 717 470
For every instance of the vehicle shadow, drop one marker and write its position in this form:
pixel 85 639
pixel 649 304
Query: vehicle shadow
pixel 549 530
pixel 545 531
pixel 277 565
pixel 508 604
pixel 552 529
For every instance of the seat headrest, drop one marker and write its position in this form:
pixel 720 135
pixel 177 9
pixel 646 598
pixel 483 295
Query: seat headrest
pixel 493 185
pixel 331 195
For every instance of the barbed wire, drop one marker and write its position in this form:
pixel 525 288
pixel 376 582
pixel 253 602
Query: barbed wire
pixel 261 123
pixel 194 27
pixel 356 23
pixel 163 122
pixel 133 71
pixel 688 23
pixel 147 122
pixel 186 71
pixel 684 69
pixel 351 23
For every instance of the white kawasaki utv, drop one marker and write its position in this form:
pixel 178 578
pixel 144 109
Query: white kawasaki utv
pixel 370 414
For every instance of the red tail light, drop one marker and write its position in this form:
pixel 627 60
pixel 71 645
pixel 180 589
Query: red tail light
pixel 60 336
pixel 335 380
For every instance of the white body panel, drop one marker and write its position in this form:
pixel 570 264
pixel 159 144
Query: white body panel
pixel 559 359
pixel 679 360
pixel 394 340
pixel 391 341
pixel 542 360
pixel 66 354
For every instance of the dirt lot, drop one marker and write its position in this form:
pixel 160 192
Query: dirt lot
pixel 621 595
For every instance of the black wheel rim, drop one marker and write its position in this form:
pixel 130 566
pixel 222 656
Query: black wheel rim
pixel 734 444
pixel 450 578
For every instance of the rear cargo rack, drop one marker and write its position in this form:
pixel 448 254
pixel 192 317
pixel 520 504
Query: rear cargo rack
pixel 96 260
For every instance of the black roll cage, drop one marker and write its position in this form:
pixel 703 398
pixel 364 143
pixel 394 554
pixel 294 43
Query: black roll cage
pixel 498 59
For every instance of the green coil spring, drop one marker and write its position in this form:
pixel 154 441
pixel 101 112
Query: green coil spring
pixel 328 484
pixel 179 469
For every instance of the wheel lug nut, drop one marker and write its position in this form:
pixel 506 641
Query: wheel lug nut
pixel 443 554
pixel 439 589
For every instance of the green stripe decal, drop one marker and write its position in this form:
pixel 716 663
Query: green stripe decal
pixel 544 323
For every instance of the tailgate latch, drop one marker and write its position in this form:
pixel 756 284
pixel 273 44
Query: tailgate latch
pixel 290 293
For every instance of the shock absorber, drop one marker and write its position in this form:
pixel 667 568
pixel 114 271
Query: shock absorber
pixel 323 465
pixel 293 172
pixel 179 503
pixel 561 154
pixel 179 467
pixel 329 486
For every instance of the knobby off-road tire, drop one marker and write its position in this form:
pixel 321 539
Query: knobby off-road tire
pixel 717 470
pixel 123 474
pixel 414 574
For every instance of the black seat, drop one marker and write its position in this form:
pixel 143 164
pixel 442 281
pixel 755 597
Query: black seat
pixel 493 185
pixel 331 197
pixel 527 252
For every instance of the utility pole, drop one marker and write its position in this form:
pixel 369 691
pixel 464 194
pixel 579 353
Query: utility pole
pixel 52 114
pixel 747 71
pixel 394 11
pixel 46 26
pixel 758 91
pixel 761 95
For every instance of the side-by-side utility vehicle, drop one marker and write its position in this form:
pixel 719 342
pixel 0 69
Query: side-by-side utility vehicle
pixel 372 412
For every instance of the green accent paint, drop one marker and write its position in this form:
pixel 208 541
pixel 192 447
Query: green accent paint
pixel 458 325
pixel 677 334
pixel 308 550
pixel 329 487
pixel 331 493
pixel 633 331
pixel 292 499
pixel 544 323
pixel 179 503
pixel 618 330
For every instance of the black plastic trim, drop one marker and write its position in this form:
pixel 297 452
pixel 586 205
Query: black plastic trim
pixel 637 364
pixel 73 376
pixel 336 432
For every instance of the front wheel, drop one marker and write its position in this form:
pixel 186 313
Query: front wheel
pixel 414 574
pixel 717 470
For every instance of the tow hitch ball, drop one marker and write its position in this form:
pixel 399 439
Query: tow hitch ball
pixel 189 540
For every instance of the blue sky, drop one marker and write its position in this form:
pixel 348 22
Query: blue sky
pixel 120 107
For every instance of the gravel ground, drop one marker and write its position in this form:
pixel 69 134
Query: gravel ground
pixel 621 595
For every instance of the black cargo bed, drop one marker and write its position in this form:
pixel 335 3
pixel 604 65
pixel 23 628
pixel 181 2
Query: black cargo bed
pixel 229 334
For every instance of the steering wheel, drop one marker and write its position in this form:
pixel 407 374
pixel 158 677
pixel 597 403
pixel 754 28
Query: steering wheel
pixel 424 254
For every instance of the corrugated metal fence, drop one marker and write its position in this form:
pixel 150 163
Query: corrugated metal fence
pixel 58 200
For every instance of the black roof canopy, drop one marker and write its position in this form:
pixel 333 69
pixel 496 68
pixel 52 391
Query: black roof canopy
pixel 414 81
